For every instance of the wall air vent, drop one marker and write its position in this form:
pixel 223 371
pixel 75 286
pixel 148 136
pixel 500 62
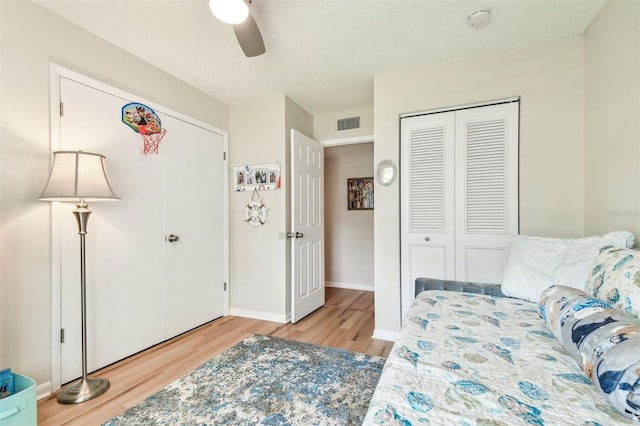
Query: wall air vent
pixel 349 123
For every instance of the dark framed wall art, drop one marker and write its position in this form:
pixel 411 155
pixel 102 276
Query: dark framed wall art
pixel 360 193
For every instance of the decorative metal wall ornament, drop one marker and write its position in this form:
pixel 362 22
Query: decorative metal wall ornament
pixel 255 212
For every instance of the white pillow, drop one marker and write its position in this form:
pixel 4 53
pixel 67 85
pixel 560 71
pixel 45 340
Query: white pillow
pixel 536 263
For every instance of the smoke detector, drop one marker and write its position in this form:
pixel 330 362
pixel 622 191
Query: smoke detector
pixel 479 19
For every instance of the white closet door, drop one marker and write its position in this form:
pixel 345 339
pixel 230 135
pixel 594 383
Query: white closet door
pixel 194 176
pixel 125 280
pixel 427 200
pixel 486 190
pixel 459 195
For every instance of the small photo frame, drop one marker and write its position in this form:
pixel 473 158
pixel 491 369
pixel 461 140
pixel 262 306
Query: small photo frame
pixel 261 176
pixel 240 177
pixel 360 193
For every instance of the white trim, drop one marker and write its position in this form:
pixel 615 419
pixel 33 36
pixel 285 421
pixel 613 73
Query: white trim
pixel 260 315
pixel 457 107
pixel 350 286
pixel 43 390
pixel 56 238
pixel 55 73
pixel 347 141
pixel 227 227
pixel 390 336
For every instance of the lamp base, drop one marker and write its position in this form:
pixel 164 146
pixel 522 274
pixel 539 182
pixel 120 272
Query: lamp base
pixel 83 390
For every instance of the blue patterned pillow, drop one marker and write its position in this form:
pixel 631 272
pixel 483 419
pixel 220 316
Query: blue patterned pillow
pixel 605 342
pixel 558 302
pixel 615 278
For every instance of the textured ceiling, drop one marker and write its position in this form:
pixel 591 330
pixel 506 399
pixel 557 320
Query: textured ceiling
pixel 322 54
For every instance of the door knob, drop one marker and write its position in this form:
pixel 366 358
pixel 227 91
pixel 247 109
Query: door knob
pixel 173 238
pixel 299 235
pixel 427 239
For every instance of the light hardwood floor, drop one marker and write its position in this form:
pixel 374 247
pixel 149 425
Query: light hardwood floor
pixel 345 321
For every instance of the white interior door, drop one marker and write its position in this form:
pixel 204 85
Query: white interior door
pixel 194 173
pixel 141 290
pixel 125 279
pixel 427 200
pixel 307 220
pixel 459 195
pixel 486 190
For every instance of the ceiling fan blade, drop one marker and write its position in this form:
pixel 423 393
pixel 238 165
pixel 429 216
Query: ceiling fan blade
pixel 249 37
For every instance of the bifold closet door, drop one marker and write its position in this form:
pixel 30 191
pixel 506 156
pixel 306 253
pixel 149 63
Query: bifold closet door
pixel 459 194
pixel 194 175
pixel 124 241
pixel 486 190
pixel 427 200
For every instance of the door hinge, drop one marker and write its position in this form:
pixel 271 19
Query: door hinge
pixel 61 109
pixel 224 156
pixel 225 286
pixel 62 335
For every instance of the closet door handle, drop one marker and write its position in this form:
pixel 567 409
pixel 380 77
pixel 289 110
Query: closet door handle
pixel 299 235
pixel 172 238
pixel 427 239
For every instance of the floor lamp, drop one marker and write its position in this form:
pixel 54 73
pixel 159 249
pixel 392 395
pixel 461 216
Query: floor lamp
pixel 78 176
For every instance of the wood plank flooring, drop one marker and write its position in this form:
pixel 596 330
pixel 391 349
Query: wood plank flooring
pixel 345 321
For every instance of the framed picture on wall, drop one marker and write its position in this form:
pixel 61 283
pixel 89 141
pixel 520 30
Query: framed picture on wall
pixel 259 176
pixel 360 193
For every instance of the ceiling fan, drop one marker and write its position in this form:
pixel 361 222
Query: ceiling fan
pixel 236 12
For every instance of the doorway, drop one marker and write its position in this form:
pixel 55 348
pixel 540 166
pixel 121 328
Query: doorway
pixel 348 233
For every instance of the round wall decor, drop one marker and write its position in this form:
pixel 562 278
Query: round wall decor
pixel 255 212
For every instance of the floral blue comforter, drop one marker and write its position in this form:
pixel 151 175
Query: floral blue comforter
pixel 469 359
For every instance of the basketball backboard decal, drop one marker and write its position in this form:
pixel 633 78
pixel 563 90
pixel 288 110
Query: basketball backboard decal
pixel 145 121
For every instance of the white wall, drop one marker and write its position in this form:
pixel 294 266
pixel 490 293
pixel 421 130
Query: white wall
pixel 549 79
pixel 259 271
pixel 348 233
pixel 31 37
pixel 256 135
pixel 612 119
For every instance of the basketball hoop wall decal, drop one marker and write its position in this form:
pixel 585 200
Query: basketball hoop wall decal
pixel 145 121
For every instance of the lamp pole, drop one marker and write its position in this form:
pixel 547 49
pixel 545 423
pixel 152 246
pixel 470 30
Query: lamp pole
pixel 86 388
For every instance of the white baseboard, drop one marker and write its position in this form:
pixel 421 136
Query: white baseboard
pixel 43 390
pixel 390 336
pixel 350 286
pixel 264 316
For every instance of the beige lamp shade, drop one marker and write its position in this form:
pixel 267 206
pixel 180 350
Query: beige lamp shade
pixel 78 175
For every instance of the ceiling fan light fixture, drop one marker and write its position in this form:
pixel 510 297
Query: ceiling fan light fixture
pixel 229 11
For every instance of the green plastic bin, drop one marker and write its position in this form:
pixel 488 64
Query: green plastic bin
pixel 20 409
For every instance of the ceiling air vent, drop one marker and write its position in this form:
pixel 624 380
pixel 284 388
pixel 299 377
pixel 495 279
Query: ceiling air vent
pixel 349 123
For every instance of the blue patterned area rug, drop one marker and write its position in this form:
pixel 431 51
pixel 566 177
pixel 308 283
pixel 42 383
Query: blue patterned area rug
pixel 266 380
